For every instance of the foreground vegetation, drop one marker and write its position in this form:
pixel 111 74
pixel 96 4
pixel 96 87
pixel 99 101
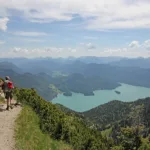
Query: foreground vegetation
pixel 60 126
pixel 125 124
pixel 29 135
pixel 2 100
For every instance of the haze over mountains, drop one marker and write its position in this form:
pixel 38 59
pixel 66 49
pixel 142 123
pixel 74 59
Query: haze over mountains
pixel 80 75
pixel 42 64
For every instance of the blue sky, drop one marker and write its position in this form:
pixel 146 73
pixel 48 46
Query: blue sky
pixel 62 28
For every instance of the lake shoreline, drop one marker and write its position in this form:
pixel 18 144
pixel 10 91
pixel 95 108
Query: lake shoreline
pixel 80 103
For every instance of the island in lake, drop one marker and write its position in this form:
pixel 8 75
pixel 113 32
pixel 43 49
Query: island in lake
pixel 118 92
pixel 67 94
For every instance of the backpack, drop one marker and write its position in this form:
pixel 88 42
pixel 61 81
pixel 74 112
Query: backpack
pixel 10 85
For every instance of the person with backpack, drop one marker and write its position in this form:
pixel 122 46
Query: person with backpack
pixel 8 87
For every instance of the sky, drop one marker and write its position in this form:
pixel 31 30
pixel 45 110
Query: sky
pixel 62 28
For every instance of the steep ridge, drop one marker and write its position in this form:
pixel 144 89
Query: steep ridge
pixel 114 111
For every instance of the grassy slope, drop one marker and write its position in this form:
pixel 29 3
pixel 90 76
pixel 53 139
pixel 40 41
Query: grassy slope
pixel 2 100
pixel 30 137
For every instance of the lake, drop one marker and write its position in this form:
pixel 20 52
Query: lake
pixel 80 103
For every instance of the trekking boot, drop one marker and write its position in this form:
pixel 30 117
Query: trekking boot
pixel 11 106
pixel 7 108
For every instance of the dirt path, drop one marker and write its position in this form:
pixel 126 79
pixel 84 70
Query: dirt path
pixel 7 121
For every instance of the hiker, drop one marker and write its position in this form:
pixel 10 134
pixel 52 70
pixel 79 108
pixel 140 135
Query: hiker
pixel 7 87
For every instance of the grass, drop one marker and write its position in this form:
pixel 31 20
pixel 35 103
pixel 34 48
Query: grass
pixel 2 100
pixel 29 136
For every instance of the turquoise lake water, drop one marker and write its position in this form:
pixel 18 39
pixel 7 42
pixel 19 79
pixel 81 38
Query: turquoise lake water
pixel 80 103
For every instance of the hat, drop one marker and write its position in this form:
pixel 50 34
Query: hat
pixel 7 78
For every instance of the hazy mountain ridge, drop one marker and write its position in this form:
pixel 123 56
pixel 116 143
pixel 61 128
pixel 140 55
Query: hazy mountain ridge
pixel 136 62
pixel 116 61
pixel 76 77
pixel 75 82
pixel 10 66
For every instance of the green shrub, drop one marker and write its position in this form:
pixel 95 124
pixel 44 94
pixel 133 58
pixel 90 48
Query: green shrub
pixel 61 126
pixel 28 135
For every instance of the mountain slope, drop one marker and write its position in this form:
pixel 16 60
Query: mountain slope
pixel 127 113
pixel 136 62
pixel 61 126
pixel 27 128
pixel 40 82
pixel 10 66
pixel 126 125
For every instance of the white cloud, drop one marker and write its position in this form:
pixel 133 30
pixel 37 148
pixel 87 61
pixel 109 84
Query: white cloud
pixel 88 46
pixel 39 52
pixel 124 53
pixel 72 50
pixel 134 44
pixel 3 23
pixel 146 44
pixel 97 14
pixel 23 33
pixel 134 50
pixel 2 42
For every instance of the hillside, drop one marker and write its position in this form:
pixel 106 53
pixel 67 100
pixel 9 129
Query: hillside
pixel 27 128
pixel 41 82
pixel 129 113
pixel 60 126
pixel 126 124
pixel 10 66
pixel 123 113
pixel 79 83
pixel 44 83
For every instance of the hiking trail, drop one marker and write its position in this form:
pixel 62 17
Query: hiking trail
pixel 7 126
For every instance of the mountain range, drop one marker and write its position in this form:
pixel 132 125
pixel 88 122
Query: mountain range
pixel 75 76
